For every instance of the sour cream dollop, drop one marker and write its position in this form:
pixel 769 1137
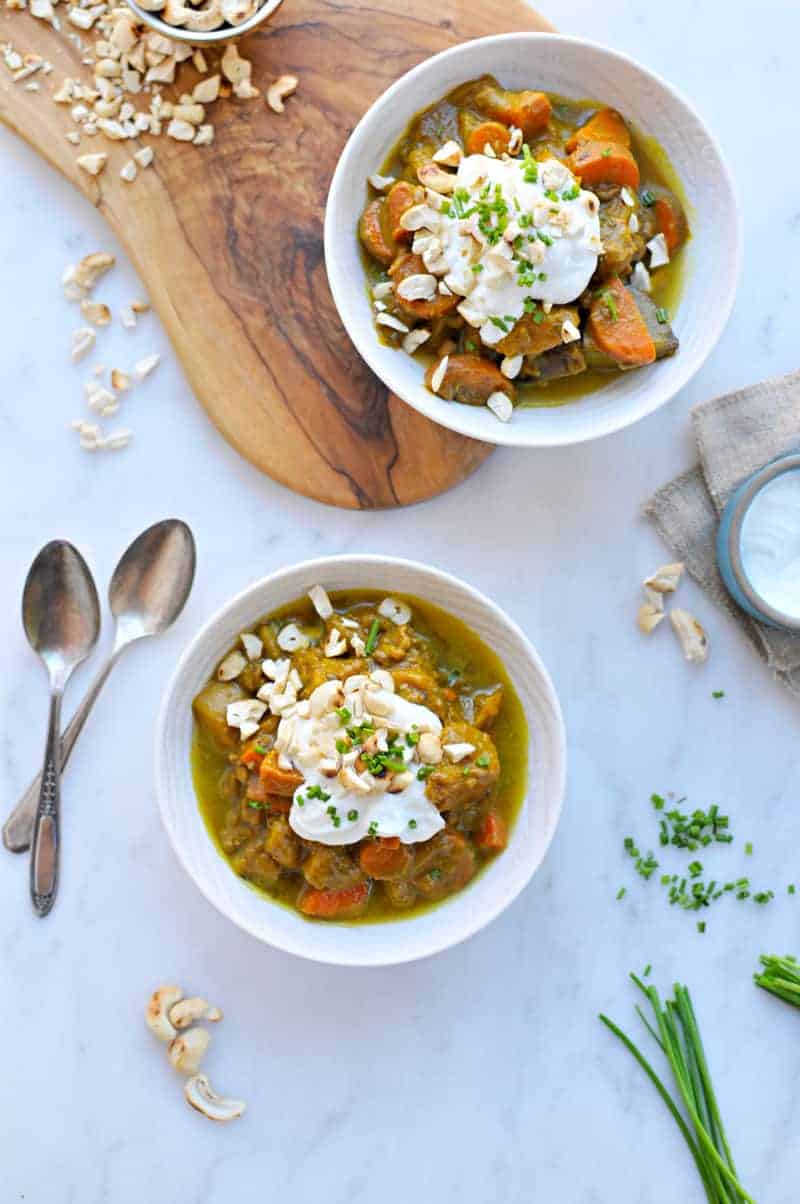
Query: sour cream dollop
pixel 340 803
pixel 514 232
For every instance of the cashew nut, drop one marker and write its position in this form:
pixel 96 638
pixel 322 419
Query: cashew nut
pixel 665 580
pixel 277 92
pixel 189 1010
pixel 691 636
pixel 200 1095
pixel 175 13
pixel 395 610
pixel 203 20
pixel 187 1051
pixel 237 11
pixel 158 1009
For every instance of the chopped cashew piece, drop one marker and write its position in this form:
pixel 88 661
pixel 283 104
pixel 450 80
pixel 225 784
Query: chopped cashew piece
pixel 439 373
pixel 95 312
pixel 200 1096
pixel 280 90
pixel 144 367
pixel 395 611
pixel 381 183
pixel 457 752
pixel 253 646
pixel 290 638
pixel 415 338
pixel 691 636
pixel 82 341
pixel 649 617
pixel 157 1012
pixel 187 1011
pixel 230 668
pixel 120 380
pixel 429 748
pixel 665 580
pixel 449 155
pixel 92 164
pixel 187 1051
pixel 501 406
pixel 320 601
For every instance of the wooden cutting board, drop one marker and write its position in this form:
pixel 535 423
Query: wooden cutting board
pixel 227 240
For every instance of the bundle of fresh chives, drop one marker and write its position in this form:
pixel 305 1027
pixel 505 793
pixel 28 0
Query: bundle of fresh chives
pixel 781 977
pixel 695 1109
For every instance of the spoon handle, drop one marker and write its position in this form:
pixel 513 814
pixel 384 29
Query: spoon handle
pixel 18 828
pixel 45 848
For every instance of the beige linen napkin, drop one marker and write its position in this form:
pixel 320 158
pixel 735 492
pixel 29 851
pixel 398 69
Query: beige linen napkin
pixel 736 434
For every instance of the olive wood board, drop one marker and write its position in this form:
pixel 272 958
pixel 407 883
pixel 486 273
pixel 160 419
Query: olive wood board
pixel 227 239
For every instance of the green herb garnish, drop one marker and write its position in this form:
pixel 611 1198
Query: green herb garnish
pixel 352 816
pixel 319 793
pixel 717 693
pixel 482 761
pixel 694 1106
pixel 611 305
pixel 344 714
pixel 372 638
pixel 424 772
pixel 647 198
pixel 662 315
pixel 780 976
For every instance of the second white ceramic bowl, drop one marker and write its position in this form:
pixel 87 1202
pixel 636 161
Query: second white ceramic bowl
pixel 574 68
pixel 403 939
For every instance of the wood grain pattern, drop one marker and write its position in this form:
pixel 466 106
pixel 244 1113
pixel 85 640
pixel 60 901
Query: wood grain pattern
pixel 228 241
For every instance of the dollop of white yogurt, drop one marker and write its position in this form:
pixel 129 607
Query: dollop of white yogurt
pixel 514 232
pixel 337 804
pixel 770 543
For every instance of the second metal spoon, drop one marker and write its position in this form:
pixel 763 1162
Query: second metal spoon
pixel 148 591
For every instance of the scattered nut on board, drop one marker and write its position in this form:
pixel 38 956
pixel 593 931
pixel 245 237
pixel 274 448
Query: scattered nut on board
pixel 171 1017
pixel 129 65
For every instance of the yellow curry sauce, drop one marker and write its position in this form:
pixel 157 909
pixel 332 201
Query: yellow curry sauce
pixel 436 662
pixel 551 373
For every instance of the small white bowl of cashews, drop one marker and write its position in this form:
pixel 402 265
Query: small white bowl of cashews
pixel 203 22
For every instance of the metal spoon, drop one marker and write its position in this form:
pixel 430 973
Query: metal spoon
pixel 61 616
pixel 147 593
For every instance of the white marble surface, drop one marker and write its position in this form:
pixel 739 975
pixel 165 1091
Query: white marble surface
pixel 481 1075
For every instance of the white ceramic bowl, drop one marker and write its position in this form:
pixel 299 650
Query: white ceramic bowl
pixel 404 939
pixel 574 68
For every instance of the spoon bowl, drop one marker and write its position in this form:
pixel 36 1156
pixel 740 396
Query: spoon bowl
pixel 152 581
pixel 60 610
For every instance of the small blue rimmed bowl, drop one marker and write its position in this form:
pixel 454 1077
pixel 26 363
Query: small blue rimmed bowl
pixel 729 546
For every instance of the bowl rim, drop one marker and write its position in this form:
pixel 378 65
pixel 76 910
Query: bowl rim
pixel 316 568
pixel 211 37
pixel 502 434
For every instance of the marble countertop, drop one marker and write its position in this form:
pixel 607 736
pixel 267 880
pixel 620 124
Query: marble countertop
pixel 483 1074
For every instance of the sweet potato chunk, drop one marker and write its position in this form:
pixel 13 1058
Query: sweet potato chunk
pixel 670 220
pixel 385 858
pixel 279 781
pixel 471 380
pixel 335 904
pixel 530 337
pixel 211 709
pixel 530 111
pixel 453 786
pixel 494 133
pixel 492 835
pixel 410 264
pixel 400 197
pixel 370 231
pixel 606 126
pixel 618 328
pixel 603 162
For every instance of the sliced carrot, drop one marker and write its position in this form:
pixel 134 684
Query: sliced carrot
pixel 277 780
pixel 251 755
pixel 618 328
pixel 530 111
pixel 370 231
pixel 492 834
pixel 400 197
pixel 335 904
pixel 492 132
pixel 601 162
pixel 385 857
pixel 670 221
pixel 605 126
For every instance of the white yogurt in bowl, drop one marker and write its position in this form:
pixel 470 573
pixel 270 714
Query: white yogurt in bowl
pixel 770 543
